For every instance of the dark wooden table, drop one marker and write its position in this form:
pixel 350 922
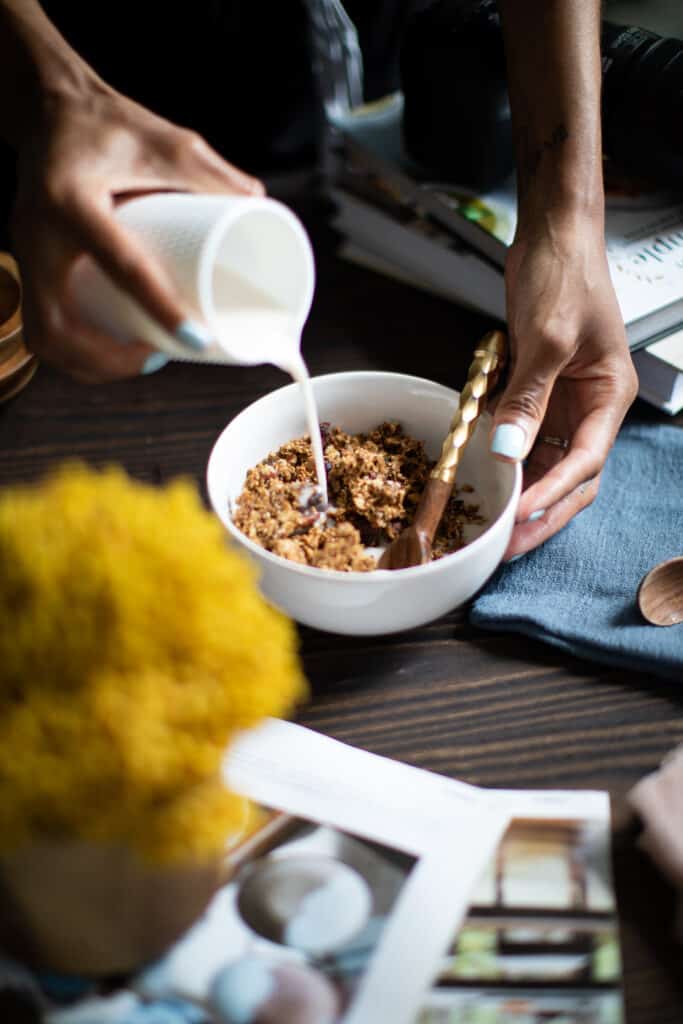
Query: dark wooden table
pixel 495 710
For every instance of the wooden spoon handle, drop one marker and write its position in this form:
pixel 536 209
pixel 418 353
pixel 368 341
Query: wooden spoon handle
pixel 10 298
pixel 431 506
pixel 488 359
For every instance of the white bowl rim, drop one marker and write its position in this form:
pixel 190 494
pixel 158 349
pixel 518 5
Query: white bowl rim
pixel 373 576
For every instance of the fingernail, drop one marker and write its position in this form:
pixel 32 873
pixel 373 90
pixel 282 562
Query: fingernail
pixel 515 558
pixel 509 440
pixel 154 362
pixel 192 334
pixel 536 515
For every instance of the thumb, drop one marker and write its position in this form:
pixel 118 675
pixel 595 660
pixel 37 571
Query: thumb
pixel 521 410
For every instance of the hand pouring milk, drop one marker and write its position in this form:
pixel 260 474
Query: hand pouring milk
pixel 245 264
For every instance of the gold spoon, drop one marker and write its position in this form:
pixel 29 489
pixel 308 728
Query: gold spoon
pixel 414 545
pixel 660 594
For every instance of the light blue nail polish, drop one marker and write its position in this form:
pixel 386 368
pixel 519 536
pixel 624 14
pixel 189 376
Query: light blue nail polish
pixel 515 558
pixel 536 515
pixel 508 440
pixel 154 362
pixel 192 334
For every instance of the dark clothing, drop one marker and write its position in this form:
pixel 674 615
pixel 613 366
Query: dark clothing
pixel 237 71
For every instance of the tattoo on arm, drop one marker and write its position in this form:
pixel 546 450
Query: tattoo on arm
pixel 530 156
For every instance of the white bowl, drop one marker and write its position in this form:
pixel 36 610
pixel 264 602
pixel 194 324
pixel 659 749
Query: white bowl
pixel 383 601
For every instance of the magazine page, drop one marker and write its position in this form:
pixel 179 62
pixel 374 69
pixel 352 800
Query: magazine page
pixel 645 252
pixel 507 910
pixel 540 940
pixel 643 239
pixel 361 923
pixel 304 772
pixel 382 802
pixel 669 350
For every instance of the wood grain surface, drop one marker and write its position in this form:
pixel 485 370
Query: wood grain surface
pixel 492 709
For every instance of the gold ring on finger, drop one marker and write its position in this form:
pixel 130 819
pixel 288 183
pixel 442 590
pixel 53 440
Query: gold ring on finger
pixel 557 442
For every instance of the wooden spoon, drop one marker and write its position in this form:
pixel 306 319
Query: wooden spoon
pixel 10 292
pixel 414 545
pixel 660 594
pixel 10 297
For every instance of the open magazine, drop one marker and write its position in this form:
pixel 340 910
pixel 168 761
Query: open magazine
pixel 477 907
pixel 394 895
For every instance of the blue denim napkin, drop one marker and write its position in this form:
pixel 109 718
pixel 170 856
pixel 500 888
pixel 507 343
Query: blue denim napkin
pixel 578 590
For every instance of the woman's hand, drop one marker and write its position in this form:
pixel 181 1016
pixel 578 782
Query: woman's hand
pixel 90 148
pixel 572 378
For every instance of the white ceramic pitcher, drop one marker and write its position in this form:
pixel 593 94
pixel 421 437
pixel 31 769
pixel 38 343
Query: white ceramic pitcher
pixel 244 264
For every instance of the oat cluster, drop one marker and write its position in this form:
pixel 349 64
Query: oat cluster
pixel 133 645
pixel 374 485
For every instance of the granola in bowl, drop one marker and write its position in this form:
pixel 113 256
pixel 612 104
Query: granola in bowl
pixel 374 480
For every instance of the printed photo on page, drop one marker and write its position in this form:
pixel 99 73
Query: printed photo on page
pixel 540 940
pixel 304 902
pixel 313 924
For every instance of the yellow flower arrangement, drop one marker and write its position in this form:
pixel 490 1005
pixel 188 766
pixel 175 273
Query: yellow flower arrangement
pixel 134 644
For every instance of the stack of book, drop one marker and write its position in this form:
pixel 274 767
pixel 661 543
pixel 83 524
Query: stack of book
pixel 453 243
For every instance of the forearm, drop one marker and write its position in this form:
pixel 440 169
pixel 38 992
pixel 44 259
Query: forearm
pixel 37 68
pixel 553 60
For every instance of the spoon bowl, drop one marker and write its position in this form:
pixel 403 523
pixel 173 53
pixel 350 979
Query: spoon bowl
pixel 660 595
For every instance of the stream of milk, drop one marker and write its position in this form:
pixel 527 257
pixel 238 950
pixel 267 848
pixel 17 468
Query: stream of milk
pixel 266 333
